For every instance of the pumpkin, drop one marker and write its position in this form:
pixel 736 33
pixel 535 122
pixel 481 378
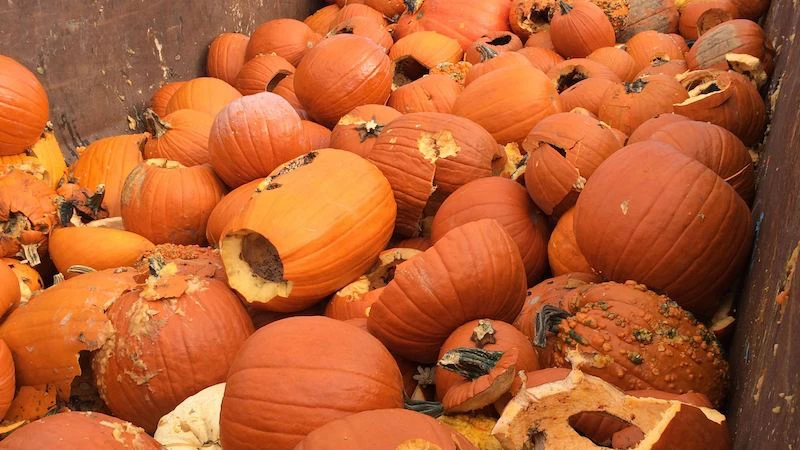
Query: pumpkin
pixel 391 9
pixel 572 71
pixel 508 102
pixel 9 289
pixel 27 214
pixel 323 19
pixel 476 428
pixel 427 156
pixel 28 278
pixel 491 45
pixel 531 17
pixel 501 61
pixel 650 126
pixel 96 248
pixel 315 135
pixel 588 94
pixel 287 38
pixel 194 423
pixel 46 154
pixel 463 20
pixel 691 255
pixel 206 94
pixel 227 208
pixel 553 406
pixel 166 329
pixel 24 107
pixel 474 271
pixel 541 39
pixel 456 71
pixel 664 66
pixel 30 404
pixel 506 202
pixel 616 59
pixel 727 99
pixel 262 74
pixel 7 379
pixel 161 97
pixel 254 135
pixel 298 374
pixel 542 58
pixel 416 54
pixel 358 130
pixel 226 56
pixel 184 195
pixel 739 36
pixel 632 17
pixel 80 206
pixel 181 136
pixel 579 27
pixel 285 88
pixel 366 27
pixel 80 430
pixel 280 266
pixel 351 10
pixel 562 249
pixel 357 60
pixel 563 151
pixel 191 260
pixel 431 93
pixel 698 14
pixel 627 106
pixel 108 161
pixel 647 46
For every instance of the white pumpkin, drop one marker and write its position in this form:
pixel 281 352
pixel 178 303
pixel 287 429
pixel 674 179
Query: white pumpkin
pixel 194 424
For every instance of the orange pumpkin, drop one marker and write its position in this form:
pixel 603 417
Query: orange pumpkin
pixel 541 39
pixel 162 96
pixel 279 265
pixel 7 379
pixel 530 17
pixel 572 71
pixel 417 243
pixel 181 136
pixel 664 66
pixel 562 249
pixel 698 16
pixel 463 20
pixel 285 88
pixel 9 289
pixel 24 107
pixel 506 202
pixel 579 27
pixel 323 19
pixel 45 155
pixel 316 136
pixel 262 74
pixel 287 38
pixel 228 208
pixel 358 130
pixel 95 247
pixel 587 94
pixel 365 27
pixel 190 260
pixel 542 58
pixel 616 59
pixel 499 62
pixel 630 18
pixel 166 333
pixel 739 36
pixel 416 54
pixel 392 9
pixel 30 281
pixel 509 102
pixel 431 93
pixel 78 205
pixel 27 214
pixel 254 135
pixel 474 271
pixel 491 45
pixel 277 391
pixel 108 161
pixel 226 56
pixel 185 197
pixel 353 9
pixel 627 106
pixel 206 94
pixel 647 46
pixel 650 126
pixel 318 80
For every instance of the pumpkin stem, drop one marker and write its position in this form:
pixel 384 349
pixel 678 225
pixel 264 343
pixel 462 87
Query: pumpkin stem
pixel 58 279
pixel 370 128
pixel 80 269
pixel 96 200
pixel 155 263
pixel 30 252
pixel 547 320
pixel 483 334
pixel 412 5
pixel 564 7
pixel 65 210
pixel 155 125
pixel 470 363
pixel 433 409
pixel 486 52
pixel 425 376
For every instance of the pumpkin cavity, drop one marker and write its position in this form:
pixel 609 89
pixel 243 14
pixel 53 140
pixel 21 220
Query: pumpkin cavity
pixel 568 79
pixel 163 163
pixel 274 81
pixel 262 257
pixel 269 183
pixel 408 69
pixel 500 40
pixel 636 86
pixel 606 430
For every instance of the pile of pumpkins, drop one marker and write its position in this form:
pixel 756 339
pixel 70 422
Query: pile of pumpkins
pixel 430 224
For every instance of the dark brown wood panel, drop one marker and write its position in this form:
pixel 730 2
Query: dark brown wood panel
pixel 766 387
pixel 100 60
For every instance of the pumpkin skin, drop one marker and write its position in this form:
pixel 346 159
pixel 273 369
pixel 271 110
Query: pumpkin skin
pixel 366 27
pixel 226 56
pixel 506 202
pixel 542 58
pixel 707 11
pixel 191 260
pixel 277 391
pixel 24 107
pixel 358 130
pixel 205 94
pixel 9 289
pixel 185 195
pixel 27 214
pixel 658 15
pixel 509 102
pixel 328 84
pixel 431 93
pixel 502 61
pixel 177 318
pixel 490 283
pixel 162 96
pixel 285 88
pixel 440 152
pixel 391 9
pixel 587 94
pixel 351 10
pixel 734 36
pixel 287 38
pixel 572 71
pixel 649 45
pixel 323 19
pixel 463 20
pixel 627 106
pixel 579 27
pixel 80 431
pixel 562 249
pixel 650 126
pixel 45 153
pixel 30 282
pixel 616 59
pixel 385 429
pixel 691 247
pixel 492 45
pixel 262 74
pixel 7 379
pixel 315 135
pixel 109 161
pixel 228 208
pixel 254 135
pixel 672 68
pixel 95 247
pixel 352 207
pixel 181 136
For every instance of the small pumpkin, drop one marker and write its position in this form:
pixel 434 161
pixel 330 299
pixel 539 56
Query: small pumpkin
pixel 542 58
pixel 531 17
pixel 501 61
pixel 366 27
pixel 463 20
pixel 287 38
pixel 323 19
pixel 431 93
pixel 704 12
pixel 648 46
pixel 30 282
pixel 739 36
pixel 627 106
pixel 205 94
pixel 45 153
pixel 358 130
pixel 161 97
pixel 262 74
pixel 579 27
pixel 587 94
pixel 562 249
pixel 27 215
pixel 416 54
pixel 181 136
pixel 616 59
pixel 572 71
pixel 24 108
pixel 226 56
pixel 491 45
pixel 96 248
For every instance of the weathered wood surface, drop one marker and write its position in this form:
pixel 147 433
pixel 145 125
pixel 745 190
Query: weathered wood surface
pixel 766 387
pixel 100 60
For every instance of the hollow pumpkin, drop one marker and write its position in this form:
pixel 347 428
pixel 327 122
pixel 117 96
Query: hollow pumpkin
pixel 262 74
pixel 9 289
pixel 280 266
pixel 647 46
pixel 391 9
pixel 506 202
pixel 431 93
pixel 277 391
pixel 358 130
pixel 108 161
pixel 318 80
pixel 650 126
pixel 27 215
pixel 691 255
pixel 739 36
pixel 572 71
pixel 492 45
pixel 96 248
pixel 627 106
pixel 287 38
pixel 181 136
pixel 579 27
pixel 587 94
pixel 693 12
pixel 509 102
pixel 45 153
pixel 563 151
pixel 285 88
pixel 562 249
pixel 616 59
pixel 366 27
pixel 632 17
pixel 190 260
pixel 440 152
pixel 463 20
pixel 254 135
pixel 428 292
pixel 161 97
pixel 30 282
pixel 184 195
pixel 323 19
pixel 166 330
pixel 24 107
pixel 226 56
pixel 416 54
pixel 205 94
pixel 664 66
pixel 530 17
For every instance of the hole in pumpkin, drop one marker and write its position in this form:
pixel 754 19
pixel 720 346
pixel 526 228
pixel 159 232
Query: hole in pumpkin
pixel 383 275
pixel 540 16
pixel 635 87
pixel 269 183
pixel 660 60
pixel 345 29
pixel 537 440
pixel 500 41
pixel 273 83
pixel 606 430
pixel 407 70
pixel 262 257
pixel 571 78
pixel 83 391
pixel 710 88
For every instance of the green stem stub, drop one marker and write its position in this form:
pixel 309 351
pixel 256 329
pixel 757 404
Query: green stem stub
pixel 564 7
pixel 433 409
pixel 547 320
pixel 470 363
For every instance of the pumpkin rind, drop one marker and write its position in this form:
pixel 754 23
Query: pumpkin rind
pixel 431 93
pixel 358 130
pixel 227 209
pixel 181 136
pixel 95 247
pixel 287 38
pixel 502 61
pixel 24 107
pixel 162 96
pixel 261 74
pixel 27 214
pixel 562 249
pixel 226 56
pixel 627 106
pixel 205 94
pixel 323 19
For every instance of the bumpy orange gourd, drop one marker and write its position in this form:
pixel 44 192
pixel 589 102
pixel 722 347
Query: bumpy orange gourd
pixel 24 107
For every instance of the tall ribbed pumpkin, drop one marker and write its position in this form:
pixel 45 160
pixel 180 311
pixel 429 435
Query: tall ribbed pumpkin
pixel 23 107
pixel 226 56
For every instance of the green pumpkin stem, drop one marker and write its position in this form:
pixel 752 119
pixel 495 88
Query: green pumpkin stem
pixel 564 7
pixel 486 52
pixel 547 320
pixel 433 409
pixel 470 363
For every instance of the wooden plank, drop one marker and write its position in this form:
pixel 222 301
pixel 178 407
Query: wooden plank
pixel 100 60
pixel 766 385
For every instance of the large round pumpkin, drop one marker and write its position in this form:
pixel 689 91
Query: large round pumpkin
pixel 262 73
pixel 296 375
pixel 463 20
pixel 24 108
pixel 340 73
pixel 284 258
pixel 162 96
pixel 95 247
pixel 627 106
pixel 226 56
pixel 287 38
pixel 655 215
pixel 181 136
pixel 473 272
pixel 27 214
pixel 205 94
pixel 358 130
